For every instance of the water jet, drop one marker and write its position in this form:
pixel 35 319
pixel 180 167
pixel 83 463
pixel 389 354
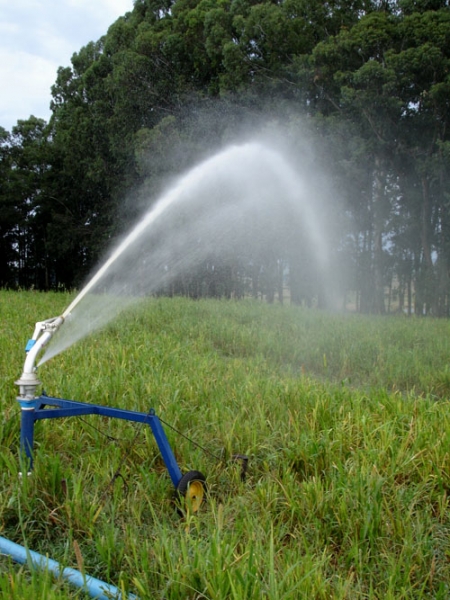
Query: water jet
pixel 244 203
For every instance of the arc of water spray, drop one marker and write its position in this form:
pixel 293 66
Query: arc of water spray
pixel 250 173
pixel 193 177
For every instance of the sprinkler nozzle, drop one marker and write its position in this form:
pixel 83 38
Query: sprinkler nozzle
pixel 43 332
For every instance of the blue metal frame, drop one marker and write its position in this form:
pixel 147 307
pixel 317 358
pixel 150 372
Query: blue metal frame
pixel 46 407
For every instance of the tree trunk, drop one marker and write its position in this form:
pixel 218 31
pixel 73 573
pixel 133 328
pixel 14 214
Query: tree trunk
pixel 379 209
pixel 425 279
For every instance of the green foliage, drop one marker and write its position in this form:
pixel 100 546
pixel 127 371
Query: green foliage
pixel 347 488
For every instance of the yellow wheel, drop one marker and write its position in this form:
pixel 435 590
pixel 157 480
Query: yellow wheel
pixel 191 491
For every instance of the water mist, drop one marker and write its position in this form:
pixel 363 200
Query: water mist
pixel 242 202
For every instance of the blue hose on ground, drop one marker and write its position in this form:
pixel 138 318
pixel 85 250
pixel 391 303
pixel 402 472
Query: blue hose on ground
pixel 94 587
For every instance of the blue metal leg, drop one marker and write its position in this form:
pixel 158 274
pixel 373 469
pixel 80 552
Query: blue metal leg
pixel 165 449
pixel 27 436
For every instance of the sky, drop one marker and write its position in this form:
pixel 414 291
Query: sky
pixel 37 37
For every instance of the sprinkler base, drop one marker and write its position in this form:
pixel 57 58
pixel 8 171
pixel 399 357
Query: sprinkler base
pixel 46 407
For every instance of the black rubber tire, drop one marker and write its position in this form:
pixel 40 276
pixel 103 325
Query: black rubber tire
pixel 191 491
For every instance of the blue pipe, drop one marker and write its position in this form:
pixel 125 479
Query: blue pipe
pixel 94 587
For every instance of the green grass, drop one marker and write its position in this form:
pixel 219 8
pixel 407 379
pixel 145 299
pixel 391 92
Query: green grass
pixel 345 420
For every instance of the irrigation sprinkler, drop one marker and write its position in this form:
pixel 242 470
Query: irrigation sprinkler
pixel 190 486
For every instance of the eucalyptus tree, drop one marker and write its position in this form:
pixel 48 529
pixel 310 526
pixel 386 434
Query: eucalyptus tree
pixel 10 216
pixel 386 77
pixel 422 65
pixel 352 83
pixel 25 166
pixel 84 209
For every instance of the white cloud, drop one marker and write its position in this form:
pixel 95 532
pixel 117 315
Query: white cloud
pixel 37 37
pixel 26 81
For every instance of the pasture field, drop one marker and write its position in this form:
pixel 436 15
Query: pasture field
pixel 345 420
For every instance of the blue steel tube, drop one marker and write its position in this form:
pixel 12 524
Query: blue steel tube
pixel 165 449
pixel 94 587
pixel 27 433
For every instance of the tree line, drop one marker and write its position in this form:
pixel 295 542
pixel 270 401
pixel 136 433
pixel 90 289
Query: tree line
pixel 367 82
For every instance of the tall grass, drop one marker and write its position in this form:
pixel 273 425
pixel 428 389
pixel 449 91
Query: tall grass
pixel 344 419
